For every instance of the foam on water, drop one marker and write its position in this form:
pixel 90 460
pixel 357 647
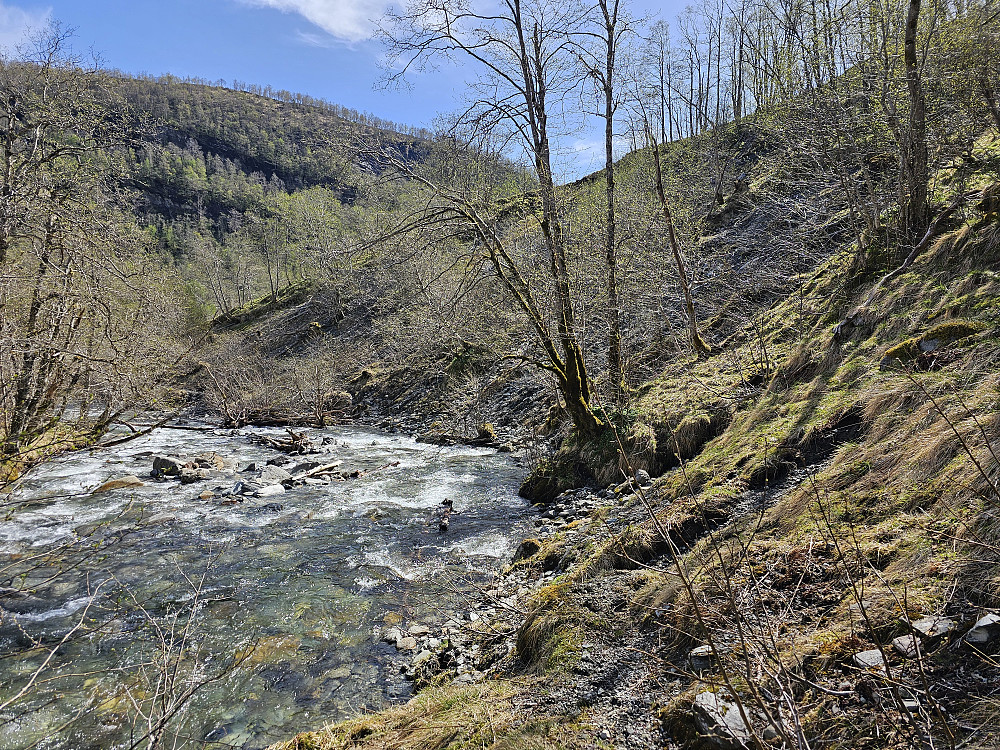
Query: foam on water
pixel 309 577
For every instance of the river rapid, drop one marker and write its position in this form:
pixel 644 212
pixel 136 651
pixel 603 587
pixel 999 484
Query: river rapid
pixel 156 590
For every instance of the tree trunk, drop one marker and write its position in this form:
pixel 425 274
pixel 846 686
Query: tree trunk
pixel 616 369
pixel 696 340
pixel 914 174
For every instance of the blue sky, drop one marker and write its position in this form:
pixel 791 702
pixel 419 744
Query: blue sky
pixel 317 47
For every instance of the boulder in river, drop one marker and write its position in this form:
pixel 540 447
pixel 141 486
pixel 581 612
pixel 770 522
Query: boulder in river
pixel 189 476
pixel 273 475
pixel 20 602
pixel 269 491
pixel 167 465
pixel 210 460
pixel 119 484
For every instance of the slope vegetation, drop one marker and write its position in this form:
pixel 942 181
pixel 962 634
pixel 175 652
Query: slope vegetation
pixel 817 565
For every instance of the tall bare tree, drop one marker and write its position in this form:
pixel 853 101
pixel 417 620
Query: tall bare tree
pixel 524 52
pixel 601 64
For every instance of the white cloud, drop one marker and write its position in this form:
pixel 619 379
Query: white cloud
pixel 346 20
pixel 15 23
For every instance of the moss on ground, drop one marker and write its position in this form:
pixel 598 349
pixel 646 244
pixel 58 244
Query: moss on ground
pixel 824 495
pixel 484 716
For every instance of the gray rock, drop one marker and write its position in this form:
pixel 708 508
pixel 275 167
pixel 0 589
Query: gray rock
pixel 273 475
pixel 771 733
pixel 933 627
pixel 419 630
pixel 21 602
pixel 189 476
pixel 719 719
pixel 906 645
pixel 643 478
pixel 167 465
pixel 422 658
pixel 871 659
pixel 211 460
pixel 305 466
pixel 391 635
pixel 270 490
pixel 985 630
pixel 701 658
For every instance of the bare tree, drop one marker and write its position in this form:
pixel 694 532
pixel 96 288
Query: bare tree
pixel 602 65
pixel 524 51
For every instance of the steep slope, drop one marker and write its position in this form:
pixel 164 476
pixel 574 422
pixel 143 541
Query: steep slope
pixel 821 566
pixel 213 150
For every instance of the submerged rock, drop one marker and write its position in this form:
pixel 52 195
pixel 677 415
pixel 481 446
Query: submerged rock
pixel 119 484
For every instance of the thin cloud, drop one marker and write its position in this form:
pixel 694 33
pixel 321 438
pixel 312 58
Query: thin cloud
pixel 345 20
pixel 16 24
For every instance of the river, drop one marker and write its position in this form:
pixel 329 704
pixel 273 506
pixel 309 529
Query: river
pixel 160 590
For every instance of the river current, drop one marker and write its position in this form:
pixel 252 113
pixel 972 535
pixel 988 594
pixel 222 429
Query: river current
pixel 115 604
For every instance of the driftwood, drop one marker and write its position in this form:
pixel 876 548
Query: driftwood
pixel 324 470
pixel 358 473
pixel 297 443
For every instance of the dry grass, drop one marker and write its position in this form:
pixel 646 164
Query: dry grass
pixel 484 716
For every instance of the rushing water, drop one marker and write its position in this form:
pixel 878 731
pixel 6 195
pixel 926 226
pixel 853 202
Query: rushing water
pixel 292 587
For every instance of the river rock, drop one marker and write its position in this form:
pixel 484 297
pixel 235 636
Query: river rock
pixel 273 475
pixel 392 635
pixel 210 460
pixel 423 657
pixel 271 507
pixel 20 602
pixel 642 477
pixel 167 465
pixel 719 719
pixel 119 484
pixel 985 630
pixel 270 490
pixel 406 643
pixel 189 476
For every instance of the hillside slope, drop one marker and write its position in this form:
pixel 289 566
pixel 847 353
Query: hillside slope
pixel 819 568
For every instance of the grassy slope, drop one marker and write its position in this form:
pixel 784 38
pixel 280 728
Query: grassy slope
pixel 853 483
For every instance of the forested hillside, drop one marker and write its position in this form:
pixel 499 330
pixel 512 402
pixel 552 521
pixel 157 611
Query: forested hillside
pixel 749 367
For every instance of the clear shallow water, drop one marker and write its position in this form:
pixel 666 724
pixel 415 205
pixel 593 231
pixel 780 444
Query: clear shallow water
pixel 292 593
